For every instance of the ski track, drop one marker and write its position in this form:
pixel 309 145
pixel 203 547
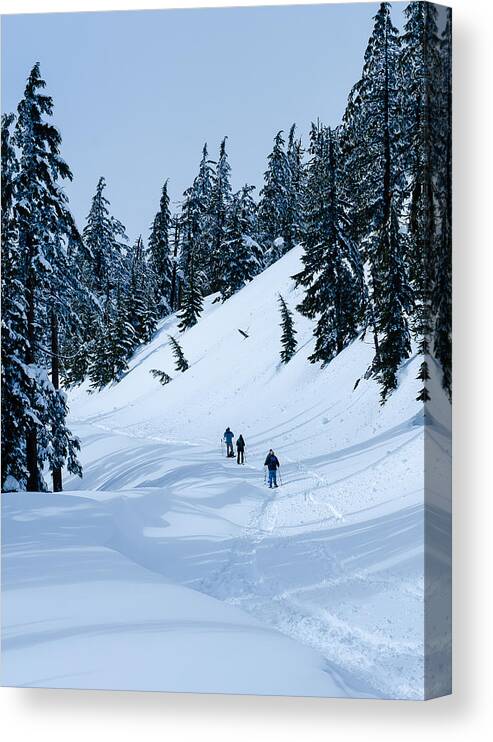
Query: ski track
pixel 252 575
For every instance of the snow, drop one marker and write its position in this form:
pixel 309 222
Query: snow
pixel 170 567
pixel 93 619
pixel 11 484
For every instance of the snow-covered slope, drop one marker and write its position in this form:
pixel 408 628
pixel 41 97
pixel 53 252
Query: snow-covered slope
pixel 241 382
pixel 334 558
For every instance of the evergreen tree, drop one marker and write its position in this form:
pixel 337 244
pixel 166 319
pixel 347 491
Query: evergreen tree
pixel 196 223
pixel 442 294
pixel 219 208
pixel 106 265
pixel 189 229
pixel 181 361
pixel 420 68
pixel 332 272
pixel 141 309
pixel 45 227
pixel 114 343
pixel 288 338
pixel 375 169
pixel 162 376
pixel 66 296
pixel 192 302
pixel 241 251
pixel 161 259
pixel 295 203
pixel 274 198
pixel 175 277
pixel 105 238
pixel 100 367
pixel 77 340
pixel 10 169
pixel 424 377
pixel 15 383
pixel 281 199
pixel 60 449
pixel 79 327
pixel 203 187
pixel 123 337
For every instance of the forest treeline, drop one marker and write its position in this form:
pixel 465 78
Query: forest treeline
pixel 369 201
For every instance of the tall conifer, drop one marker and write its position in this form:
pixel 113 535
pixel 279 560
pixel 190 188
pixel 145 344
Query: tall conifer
pixel 374 167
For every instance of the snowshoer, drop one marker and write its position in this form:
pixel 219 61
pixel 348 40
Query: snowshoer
pixel 228 437
pixel 240 449
pixel 272 464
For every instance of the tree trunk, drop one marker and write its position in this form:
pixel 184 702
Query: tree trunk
pixel 55 380
pixel 33 483
pixel 376 345
pixel 174 292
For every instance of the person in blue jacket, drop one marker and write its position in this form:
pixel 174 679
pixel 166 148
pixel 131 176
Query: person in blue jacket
pixel 228 437
pixel 272 464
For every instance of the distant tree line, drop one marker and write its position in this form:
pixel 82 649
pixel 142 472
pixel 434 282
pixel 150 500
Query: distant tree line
pixel 369 201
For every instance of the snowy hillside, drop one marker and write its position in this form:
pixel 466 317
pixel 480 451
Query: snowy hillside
pixel 332 560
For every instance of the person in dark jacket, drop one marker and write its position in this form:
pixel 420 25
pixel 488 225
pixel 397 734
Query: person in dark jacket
pixel 240 449
pixel 272 464
pixel 228 437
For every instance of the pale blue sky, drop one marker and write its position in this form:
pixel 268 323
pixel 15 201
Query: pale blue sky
pixel 137 93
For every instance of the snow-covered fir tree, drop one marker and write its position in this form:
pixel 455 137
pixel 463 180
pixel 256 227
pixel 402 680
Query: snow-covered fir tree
pixel 45 226
pixel 295 202
pixel 161 259
pixel 203 196
pixel 189 229
pixel 78 338
pixel 195 224
pixel 281 198
pixel 374 169
pixel 100 368
pixel 241 250
pixel 192 300
pixel 141 308
pixel 105 239
pixel 332 269
pixel 61 449
pixel 288 337
pixel 123 338
pixel 181 363
pixel 15 382
pixel 176 282
pixel 219 207
pixel 106 265
pixel 127 318
pixel 114 343
pixel 442 294
pixel 67 294
pixel 274 198
pixel 423 376
pixel 420 65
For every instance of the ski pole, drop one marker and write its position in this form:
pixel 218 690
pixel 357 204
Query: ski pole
pixel 280 476
pixel 265 475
